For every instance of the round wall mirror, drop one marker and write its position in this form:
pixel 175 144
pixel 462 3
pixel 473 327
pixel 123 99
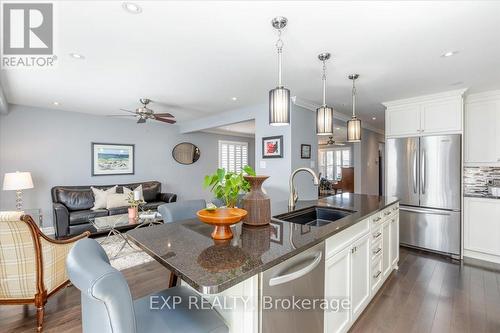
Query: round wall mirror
pixel 186 153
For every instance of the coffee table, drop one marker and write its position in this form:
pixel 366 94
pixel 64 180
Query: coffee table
pixel 112 224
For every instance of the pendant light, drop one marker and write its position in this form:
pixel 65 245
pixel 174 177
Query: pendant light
pixel 354 125
pixel 279 97
pixel 324 114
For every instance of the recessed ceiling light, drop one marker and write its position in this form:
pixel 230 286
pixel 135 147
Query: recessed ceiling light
pixel 76 56
pixel 449 54
pixel 234 98
pixel 374 118
pixel 132 8
pixel 56 103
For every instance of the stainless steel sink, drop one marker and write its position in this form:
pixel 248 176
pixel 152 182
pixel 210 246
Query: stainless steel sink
pixel 314 216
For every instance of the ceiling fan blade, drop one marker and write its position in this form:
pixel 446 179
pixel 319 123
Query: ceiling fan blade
pixel 168 115
pixel 141 121
pixel 129 111
pixel 170 121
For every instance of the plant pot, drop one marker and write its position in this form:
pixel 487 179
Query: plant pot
pixel 256 202
pixel 132 212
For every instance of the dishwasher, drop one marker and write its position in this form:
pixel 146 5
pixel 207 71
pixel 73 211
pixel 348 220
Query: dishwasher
pixel 300 277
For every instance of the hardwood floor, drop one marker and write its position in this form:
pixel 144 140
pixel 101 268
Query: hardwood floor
pixel 427 294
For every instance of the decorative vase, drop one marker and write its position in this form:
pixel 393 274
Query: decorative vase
pixel 132 212
pixel 256 202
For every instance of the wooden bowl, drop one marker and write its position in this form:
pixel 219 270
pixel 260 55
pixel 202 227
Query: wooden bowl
pixel 222 219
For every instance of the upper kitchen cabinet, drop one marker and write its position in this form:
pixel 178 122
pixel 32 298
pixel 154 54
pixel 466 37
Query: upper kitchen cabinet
pixel 425 115
pixel 482 129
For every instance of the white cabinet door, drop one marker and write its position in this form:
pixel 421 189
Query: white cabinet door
pixel 386 248
pixel 482 132
pixel 360 276
pixel 394 240
pixel 338 285
pixel 482 225
pixel 441 116
pixel 403 120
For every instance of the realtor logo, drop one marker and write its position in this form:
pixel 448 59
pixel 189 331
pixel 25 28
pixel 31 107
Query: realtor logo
pixel 28 29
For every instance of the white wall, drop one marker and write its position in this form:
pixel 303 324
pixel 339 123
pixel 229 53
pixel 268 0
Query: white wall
pixel 56 147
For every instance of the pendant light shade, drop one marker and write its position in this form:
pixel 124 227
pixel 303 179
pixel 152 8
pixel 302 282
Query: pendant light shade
pixel 279 106
pixel 324 114
pixel 324 120
pixel 279 97
pixel 354 125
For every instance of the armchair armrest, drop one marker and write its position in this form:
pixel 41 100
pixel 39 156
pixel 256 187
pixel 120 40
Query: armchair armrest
pixel 167 197
pixel 61 219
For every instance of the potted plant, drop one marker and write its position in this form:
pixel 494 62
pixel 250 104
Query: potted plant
pixel 228 185
pixel 134 204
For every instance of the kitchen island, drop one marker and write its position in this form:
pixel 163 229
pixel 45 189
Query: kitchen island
pixel 360 250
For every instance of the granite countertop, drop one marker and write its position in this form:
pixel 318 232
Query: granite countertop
pixel 210 266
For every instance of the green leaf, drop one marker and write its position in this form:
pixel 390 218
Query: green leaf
pixel 249 170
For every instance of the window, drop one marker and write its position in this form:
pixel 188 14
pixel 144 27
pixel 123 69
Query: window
pixel 331 162
pixel 233 155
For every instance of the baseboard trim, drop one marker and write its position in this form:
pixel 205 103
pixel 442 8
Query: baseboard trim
pixel 482 259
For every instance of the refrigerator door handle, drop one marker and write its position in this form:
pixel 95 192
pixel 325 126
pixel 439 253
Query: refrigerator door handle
pixel 424 211
pixel 415 171
pixel 422 172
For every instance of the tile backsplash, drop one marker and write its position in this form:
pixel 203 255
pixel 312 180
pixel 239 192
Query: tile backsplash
pixel 476 179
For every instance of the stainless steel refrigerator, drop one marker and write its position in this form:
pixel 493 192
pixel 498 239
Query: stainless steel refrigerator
pixel 425 174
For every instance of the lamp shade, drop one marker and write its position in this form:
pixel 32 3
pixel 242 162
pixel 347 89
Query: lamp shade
pixel 354 130
pixel 324 120
pixel 279 106
pixel 17 181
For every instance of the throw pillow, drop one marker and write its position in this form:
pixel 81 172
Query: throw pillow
pixel 101 197
pixel 126 191
pixel 116 200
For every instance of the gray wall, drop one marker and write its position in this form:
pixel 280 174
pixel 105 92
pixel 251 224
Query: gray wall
pixel 55 147
pixel 366 177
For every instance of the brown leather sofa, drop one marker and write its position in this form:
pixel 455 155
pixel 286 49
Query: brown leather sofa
pixel 72 205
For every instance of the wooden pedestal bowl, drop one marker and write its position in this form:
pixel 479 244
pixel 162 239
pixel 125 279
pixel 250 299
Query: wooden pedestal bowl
pixel 222 219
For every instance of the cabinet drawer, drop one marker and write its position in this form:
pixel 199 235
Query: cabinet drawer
pixel 376 249
pixel 344 238
pixel 376 275
pixel 376 220
pixel 376 234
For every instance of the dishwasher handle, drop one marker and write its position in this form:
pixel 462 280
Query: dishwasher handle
pixel 297 274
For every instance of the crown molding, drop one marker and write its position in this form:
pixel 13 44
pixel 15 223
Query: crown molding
pixel 337 115
pixel 426 98
pixel 482 96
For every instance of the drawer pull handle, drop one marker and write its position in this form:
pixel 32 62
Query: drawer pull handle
pixel 377 275
pixel 377 250
pixel 377 219
pixel 387 213
pixel 377 235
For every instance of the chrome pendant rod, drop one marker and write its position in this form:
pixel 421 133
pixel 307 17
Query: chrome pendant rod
pixel 353 77
pixel 324 83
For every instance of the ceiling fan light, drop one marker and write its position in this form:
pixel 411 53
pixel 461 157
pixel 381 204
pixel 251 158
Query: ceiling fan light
pixel 324 120
pixel 279 106
pixel 354 130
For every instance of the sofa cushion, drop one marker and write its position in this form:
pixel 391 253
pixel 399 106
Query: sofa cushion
pixel 118 210
pixel 76 199
pixel 116 200
pixel 83 216
pixel 101 196
pixel 152 205
pixel 151 191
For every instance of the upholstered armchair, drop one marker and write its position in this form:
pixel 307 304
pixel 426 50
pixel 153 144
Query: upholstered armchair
pixel 32 265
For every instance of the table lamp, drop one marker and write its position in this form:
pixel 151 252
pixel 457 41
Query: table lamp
pixel 17 181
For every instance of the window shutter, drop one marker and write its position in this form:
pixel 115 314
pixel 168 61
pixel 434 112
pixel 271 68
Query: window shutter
pixel 233 155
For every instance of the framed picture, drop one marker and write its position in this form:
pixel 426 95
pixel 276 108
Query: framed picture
pixel 305 151
pixel 276 232
pixel 272 147
pixel 112 159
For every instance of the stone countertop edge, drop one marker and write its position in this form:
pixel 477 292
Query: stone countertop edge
pixel 324 202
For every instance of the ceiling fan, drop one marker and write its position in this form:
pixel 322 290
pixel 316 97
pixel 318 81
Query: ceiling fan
pixel 332 142
pixel 144 113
